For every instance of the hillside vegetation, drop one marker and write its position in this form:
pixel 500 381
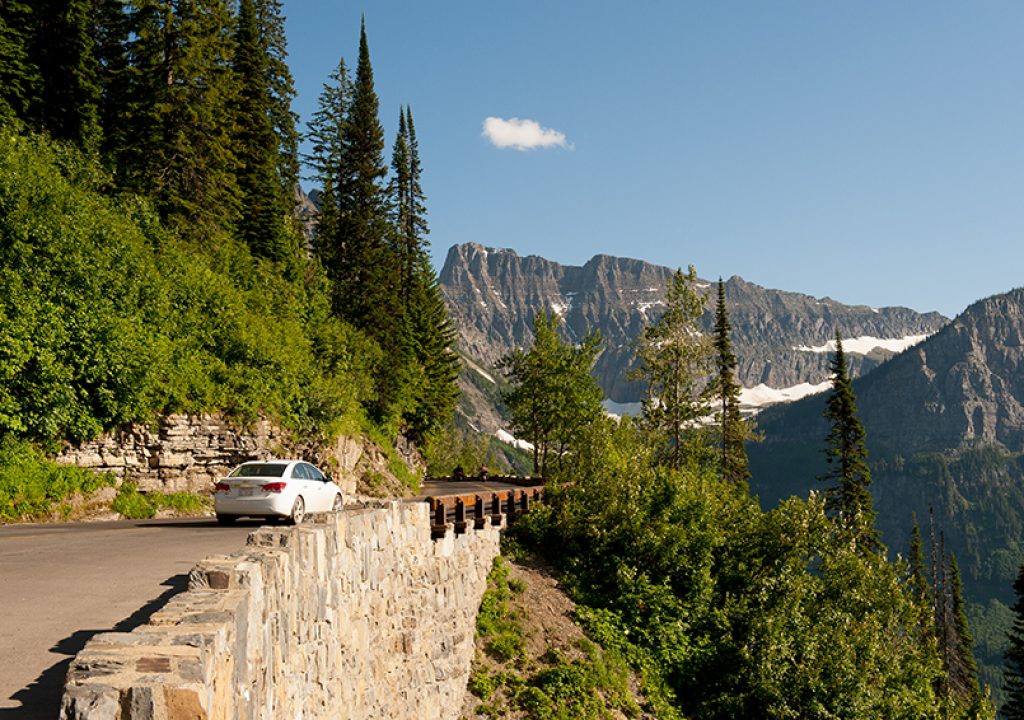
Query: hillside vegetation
pixel 151 260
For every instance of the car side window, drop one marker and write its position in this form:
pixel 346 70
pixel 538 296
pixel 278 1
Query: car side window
pixel 315 474
pixel 299 471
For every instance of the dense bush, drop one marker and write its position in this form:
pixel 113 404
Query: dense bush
pixel 727 610
pixel 106 317
pixel 32 487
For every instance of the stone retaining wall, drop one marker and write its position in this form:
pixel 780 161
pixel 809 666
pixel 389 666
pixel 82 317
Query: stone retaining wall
pixel 191 452
pixel 355 615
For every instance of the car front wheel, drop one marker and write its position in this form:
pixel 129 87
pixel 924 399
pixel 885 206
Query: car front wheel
pixel 226 519
pixel 298 513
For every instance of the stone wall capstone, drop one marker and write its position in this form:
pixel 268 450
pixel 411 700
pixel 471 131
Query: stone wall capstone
pixel 354 615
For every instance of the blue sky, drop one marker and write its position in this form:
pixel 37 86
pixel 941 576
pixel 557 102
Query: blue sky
pixel 872 152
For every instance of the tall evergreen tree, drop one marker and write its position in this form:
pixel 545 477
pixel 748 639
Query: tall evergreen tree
pixel 962 672
pixel 434 336
pixel 110 38
pixel 919 588
pixel 66 56
pixel 179 108
pixel 266 196
pixel 429 333
pixel 674 360
pixel 1013 668
pixel 326 135
pixel 362 266
pixel 849 500
pixel 19 73
pixel 281 93
pixel 733 429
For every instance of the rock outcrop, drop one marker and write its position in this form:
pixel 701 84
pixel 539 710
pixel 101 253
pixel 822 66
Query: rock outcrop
pixel 181 452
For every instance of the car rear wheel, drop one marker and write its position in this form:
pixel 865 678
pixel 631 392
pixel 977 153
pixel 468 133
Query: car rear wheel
pixel 339 503
pixel 226 519
pixel 298 513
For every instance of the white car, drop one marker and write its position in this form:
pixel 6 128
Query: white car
pixel 275 489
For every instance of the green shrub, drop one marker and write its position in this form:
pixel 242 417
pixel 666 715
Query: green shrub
pixel 31 486
pixel 132 504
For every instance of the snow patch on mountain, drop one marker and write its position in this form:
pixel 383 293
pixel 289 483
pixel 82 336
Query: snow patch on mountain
pixel 865 344
pixel 761 396
pixel 510 439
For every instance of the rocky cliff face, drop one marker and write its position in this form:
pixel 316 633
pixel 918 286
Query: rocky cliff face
pixel 961 388
pixel 493 296
pixel 945 435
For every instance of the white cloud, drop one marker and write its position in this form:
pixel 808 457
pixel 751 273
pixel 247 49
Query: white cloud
pixel 522 134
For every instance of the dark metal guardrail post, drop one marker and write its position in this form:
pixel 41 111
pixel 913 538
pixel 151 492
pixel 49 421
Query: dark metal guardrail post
pixel 524 503
pixel 460 517
pixel 439 528
pixel 479 521
pixel 495 509
pixel 510 506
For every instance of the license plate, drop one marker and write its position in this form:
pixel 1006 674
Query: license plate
pixel 243 492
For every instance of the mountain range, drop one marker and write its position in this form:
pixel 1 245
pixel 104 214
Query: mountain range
pixel 781 338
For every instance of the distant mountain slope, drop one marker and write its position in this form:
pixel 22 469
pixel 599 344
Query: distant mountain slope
pixel 493 296
pixel 945 431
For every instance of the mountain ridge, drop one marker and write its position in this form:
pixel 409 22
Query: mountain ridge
pixel 493 295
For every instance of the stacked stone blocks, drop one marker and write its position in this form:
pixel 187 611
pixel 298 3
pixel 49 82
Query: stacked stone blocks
pixel 355 615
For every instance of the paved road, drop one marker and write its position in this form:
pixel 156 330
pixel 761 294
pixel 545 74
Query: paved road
pixel 60 584
pixel 465 487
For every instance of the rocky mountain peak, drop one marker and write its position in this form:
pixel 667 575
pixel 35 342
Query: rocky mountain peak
pixel 493 295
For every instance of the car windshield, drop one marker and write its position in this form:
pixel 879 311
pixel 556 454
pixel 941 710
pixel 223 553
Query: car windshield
pixel 259 470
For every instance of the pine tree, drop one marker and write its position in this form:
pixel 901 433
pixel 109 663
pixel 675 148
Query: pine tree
pixel 362 267
pixel 434 338
pixel 178 114
pixel 734 430
pixel 266 196
pixel 674 359
pixel 919 587
pixel 281 93
pixel 430 336
pixel 1013 668
pixel 326 135
pixel 110 38
pixel 849 500
pixel 962 672
pixel 19 74
pixel 66 56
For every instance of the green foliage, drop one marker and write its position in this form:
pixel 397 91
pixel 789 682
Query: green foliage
pixel 553 396
pixel 136 505
pixel 496 622
pixel 32 487
pixel 729 611
pixel 132 504
pixel 107 318
pixel 1014 657
pixel 733 429
pixel 673 357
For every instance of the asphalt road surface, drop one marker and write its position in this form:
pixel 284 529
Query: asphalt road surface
pixel 60 584
pixel 465 487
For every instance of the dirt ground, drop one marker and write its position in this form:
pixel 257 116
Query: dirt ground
pixel 549 626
